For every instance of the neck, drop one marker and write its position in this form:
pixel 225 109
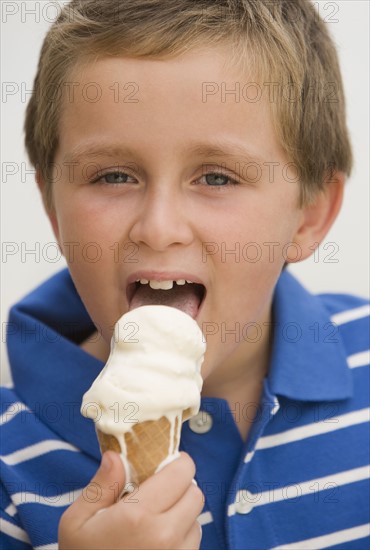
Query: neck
pixel 239 380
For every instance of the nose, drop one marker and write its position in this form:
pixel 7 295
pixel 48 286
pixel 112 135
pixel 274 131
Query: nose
pixel 161 221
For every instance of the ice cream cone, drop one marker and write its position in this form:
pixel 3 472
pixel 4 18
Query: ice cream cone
pixel 149 386
pixel 147 445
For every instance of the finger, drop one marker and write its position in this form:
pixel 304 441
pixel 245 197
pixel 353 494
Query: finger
pixel 102 491
pixel 162 490
pixel 193 538
pixel 186 511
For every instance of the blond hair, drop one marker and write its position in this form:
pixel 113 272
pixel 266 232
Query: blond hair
pixel 285 42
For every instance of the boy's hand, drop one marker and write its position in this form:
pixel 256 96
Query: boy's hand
pixel 162 513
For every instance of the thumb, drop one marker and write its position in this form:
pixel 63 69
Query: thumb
pixel 102 491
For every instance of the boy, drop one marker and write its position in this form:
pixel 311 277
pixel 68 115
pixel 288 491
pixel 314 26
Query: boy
pixel 150 172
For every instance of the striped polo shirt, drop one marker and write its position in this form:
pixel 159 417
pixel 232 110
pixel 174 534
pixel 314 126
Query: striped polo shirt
pixel 300 481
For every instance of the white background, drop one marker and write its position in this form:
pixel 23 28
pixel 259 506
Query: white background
pixel 24 225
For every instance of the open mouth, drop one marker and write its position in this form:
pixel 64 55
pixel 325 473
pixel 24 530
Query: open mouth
pixel 181 294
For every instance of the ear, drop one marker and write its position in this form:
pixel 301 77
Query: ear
pixel 49 208
pixel 319 215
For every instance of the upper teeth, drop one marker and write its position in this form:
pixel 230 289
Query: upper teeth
pixel 162 285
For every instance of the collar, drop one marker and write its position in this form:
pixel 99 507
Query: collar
pixel 50 371
pixel 308 360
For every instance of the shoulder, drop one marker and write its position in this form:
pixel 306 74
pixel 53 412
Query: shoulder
pixel 41 473
pixel 11 406
pixel 12 533
pixel 350 316
pixel 15 421
pixel 346 307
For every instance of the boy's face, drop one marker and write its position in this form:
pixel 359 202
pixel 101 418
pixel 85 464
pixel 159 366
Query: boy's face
pixel 164 217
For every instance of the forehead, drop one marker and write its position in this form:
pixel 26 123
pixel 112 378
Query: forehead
pixel 174 100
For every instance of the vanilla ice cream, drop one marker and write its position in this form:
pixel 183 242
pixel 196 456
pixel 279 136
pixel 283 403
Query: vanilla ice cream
pixel 153 372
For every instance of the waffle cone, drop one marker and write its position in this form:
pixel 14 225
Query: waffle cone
pixel 147 445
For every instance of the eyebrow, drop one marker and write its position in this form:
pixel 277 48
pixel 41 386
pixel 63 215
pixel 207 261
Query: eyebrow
pixel 85 152
pixel 227 150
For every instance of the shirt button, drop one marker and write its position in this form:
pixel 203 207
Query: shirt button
pixel 244 502
pixel 201 423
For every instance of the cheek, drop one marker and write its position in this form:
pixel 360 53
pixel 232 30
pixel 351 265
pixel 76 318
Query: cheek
pixel 251 244
pixel 83 224
pixel 248 239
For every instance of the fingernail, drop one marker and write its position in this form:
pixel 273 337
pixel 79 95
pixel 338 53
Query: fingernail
pixel 106 463
pixel 195 483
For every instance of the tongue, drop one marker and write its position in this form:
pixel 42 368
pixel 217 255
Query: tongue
pixel 182 297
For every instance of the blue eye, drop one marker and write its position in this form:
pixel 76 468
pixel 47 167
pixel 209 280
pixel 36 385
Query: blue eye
pixel 115 177
pixel 217 179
